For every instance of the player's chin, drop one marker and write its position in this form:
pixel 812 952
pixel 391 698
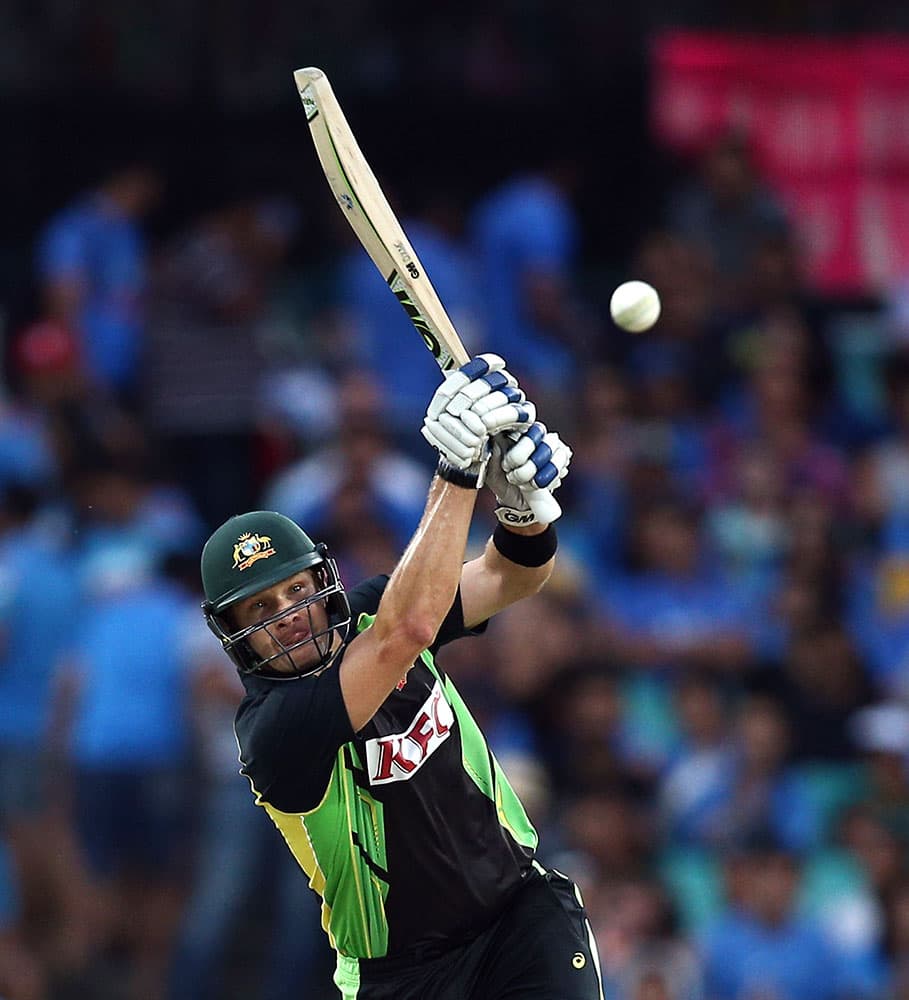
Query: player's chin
pixel 296 660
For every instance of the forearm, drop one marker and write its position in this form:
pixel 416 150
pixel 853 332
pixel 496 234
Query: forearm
pixel 423 585
pixel 498 579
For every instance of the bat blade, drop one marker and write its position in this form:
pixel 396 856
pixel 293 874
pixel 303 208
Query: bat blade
pixel 366 209
pixel 368 213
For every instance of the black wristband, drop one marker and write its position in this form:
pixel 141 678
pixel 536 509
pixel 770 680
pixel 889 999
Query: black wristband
pixel 526 550
pixel 451 474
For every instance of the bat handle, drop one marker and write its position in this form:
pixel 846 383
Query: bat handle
pixel 544 505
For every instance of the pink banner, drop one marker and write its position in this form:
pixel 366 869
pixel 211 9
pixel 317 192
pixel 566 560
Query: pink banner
pixel 829 126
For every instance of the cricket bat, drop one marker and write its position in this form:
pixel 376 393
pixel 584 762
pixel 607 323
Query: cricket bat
pixel 371 217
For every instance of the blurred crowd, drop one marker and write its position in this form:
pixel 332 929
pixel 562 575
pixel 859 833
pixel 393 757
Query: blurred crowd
pixel 706 711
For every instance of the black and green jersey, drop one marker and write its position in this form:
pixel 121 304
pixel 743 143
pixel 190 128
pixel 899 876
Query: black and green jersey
pixel 408 829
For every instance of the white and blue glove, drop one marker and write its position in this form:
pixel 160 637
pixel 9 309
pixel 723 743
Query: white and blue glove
pixel 474 403
pixel 525 469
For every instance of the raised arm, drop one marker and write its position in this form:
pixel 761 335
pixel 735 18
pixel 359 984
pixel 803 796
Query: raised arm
pixel 491 582
pixel 479 399
pixel 417 598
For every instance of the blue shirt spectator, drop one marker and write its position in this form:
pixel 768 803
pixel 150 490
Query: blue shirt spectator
pixel 763 947
pixel 38 607
pixel 117 507
pixel 130 707
pixel 525 235
pixel 360 477
pixel 748 790
pixel 91 260
pixel 672 610
pixel 707 803
pixel 745 959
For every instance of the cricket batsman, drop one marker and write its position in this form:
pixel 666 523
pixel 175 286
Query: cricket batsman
pixel 357 744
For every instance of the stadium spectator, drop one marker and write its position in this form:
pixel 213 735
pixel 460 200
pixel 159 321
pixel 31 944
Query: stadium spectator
pixel 668 431
pixel 728 212
pixel 78 422
pixel 116 500
pixel 584 739
pixel 37 588
pixel 27 453
pixel 762 947
pixel 360 467
pixel 124 695
pixel 601 467
pixel 874 847
pixel 672 609
pixel 776 407
pixel 750 791
pixel 92 263
pixel 207 306
pixel 641 949
pixel 687 281
pixel 525 237
pixel 701 756
pixel 748 531
pixel 606 834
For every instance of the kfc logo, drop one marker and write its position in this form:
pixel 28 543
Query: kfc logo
pixel 399 756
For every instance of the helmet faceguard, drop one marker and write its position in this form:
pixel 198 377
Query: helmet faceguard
pixel 275 551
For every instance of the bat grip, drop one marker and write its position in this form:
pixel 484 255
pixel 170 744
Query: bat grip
pixel 544 505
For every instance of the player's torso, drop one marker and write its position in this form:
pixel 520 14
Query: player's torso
pixel 451 858
pixel 435 839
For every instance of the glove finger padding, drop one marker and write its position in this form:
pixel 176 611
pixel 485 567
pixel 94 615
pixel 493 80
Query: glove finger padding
pixel 523 447
pixel 472 393
pixel 540 459
pixel 501 412
pixel 455 392
pixel 459 433
pixel 459 443
pixel 518 505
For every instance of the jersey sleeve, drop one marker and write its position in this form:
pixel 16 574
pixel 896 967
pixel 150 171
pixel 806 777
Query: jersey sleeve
pixel 453 626
pixel 289 735
pixel 365 597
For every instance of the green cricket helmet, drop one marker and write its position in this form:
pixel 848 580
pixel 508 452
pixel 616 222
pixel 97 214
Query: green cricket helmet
pixel 250 553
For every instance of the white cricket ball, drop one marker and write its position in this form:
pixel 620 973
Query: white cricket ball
pixel 635 306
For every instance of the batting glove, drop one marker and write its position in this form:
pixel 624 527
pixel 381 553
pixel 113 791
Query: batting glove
pixel 478 400
pixel 523 466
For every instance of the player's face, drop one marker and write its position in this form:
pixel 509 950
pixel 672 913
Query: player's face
pixel 296 626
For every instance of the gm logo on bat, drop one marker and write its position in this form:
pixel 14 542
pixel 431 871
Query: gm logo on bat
pixel 404 254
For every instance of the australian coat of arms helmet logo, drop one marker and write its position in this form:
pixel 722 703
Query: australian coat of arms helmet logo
pixel 250 548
